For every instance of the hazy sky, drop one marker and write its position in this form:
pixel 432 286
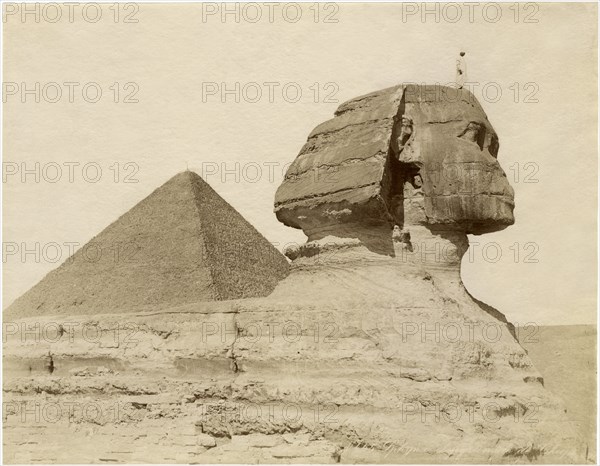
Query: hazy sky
pixel 178 60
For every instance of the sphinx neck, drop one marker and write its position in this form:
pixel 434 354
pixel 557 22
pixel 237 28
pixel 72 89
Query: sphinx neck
pixel 430 248
pixel 415 246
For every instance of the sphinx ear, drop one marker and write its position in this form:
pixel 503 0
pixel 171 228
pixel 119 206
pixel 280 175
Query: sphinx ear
pixel 474 132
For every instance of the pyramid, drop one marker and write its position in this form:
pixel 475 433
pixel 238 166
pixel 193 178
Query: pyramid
pixel 181 244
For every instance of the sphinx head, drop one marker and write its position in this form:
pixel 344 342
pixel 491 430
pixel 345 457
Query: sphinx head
pixel 407 155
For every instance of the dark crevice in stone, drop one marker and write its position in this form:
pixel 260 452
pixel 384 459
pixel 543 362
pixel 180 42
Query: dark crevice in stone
pixel 392 192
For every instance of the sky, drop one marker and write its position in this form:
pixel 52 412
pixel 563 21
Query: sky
pixel 136 95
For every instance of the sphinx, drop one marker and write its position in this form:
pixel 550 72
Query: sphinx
pixel 368 349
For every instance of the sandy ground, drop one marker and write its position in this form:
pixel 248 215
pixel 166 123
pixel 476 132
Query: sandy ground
pixel 566 357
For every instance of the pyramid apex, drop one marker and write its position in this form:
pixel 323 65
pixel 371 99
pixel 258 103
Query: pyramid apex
pixel 185 175
pixel 182 174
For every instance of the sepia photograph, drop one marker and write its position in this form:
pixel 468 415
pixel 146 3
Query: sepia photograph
pixel 299 232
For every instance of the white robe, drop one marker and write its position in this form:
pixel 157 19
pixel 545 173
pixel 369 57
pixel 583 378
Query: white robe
pixel 461 72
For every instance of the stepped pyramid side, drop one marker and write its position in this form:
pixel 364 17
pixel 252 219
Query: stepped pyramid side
pixel 172 248
pixel 243 263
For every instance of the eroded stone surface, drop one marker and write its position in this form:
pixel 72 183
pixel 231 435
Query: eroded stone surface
pixel 355 355
pixel 422 153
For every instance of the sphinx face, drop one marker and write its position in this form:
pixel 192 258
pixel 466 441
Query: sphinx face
pixel 448 165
